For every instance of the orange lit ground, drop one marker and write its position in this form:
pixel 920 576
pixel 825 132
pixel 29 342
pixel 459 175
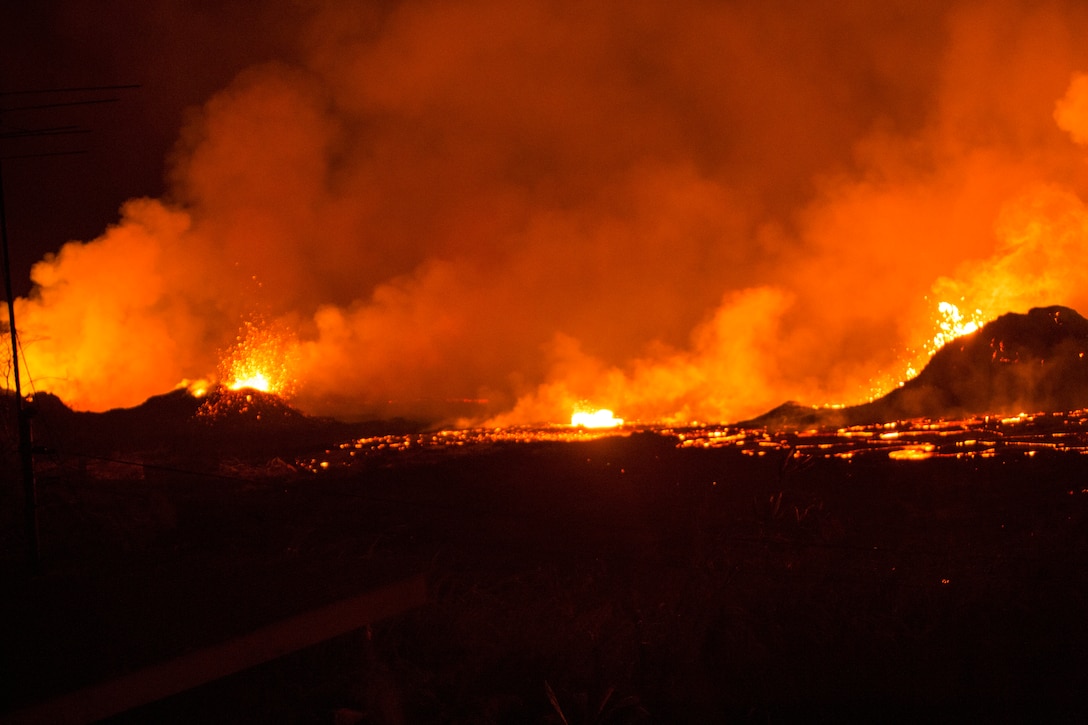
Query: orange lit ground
pixel 699 575
pixel 983 437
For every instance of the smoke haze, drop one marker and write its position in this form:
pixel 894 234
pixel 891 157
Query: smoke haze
pixel 691 210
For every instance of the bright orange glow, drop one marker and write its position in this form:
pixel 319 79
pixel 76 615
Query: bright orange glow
pixel 948 323
pixel 257 381
pixel 602 418
pixel 951 323
pixel 263 358
pixel 196 388
pixel 432 229
pixel 913 453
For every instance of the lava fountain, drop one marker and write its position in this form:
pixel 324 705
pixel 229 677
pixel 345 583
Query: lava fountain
pixel 263 358
pixel 602 418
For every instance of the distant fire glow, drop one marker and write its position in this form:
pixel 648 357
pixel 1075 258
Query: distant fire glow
pixel 602 418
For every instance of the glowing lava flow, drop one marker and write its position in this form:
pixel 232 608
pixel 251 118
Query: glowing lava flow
pixel 602 418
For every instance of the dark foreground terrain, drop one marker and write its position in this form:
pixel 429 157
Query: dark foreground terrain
pixel 618 580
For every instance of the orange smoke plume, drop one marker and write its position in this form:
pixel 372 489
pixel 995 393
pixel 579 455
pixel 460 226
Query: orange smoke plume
pixel 679 212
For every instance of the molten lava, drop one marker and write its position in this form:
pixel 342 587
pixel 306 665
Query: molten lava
pixel 602 418
pixel 952 323
pixel 263 358
pixel 257 381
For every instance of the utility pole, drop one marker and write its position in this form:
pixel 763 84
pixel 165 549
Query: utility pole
pixel 22 410
pixel 22 417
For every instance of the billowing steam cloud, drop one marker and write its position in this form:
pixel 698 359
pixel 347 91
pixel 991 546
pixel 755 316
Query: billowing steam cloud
pixel 688 210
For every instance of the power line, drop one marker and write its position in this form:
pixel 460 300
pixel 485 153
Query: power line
pixel 43 154
pixel 19 132
pixel 59 104
pixel 22 414
pixel 73 89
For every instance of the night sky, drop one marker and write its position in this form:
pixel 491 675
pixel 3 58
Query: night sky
pixel 178 53
pixel 675 210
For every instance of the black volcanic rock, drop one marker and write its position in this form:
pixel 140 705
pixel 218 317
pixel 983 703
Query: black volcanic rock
pixel 1017 363
pixel 792 414
pixel 178 427
pixel 1034 362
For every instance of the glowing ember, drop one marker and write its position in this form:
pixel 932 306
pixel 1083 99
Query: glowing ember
pixel 602 418
pixel 263 359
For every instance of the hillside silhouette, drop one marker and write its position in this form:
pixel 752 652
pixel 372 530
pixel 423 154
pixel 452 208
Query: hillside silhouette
pixel 1033 362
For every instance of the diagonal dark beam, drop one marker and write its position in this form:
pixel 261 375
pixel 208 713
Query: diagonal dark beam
pixel 183 673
